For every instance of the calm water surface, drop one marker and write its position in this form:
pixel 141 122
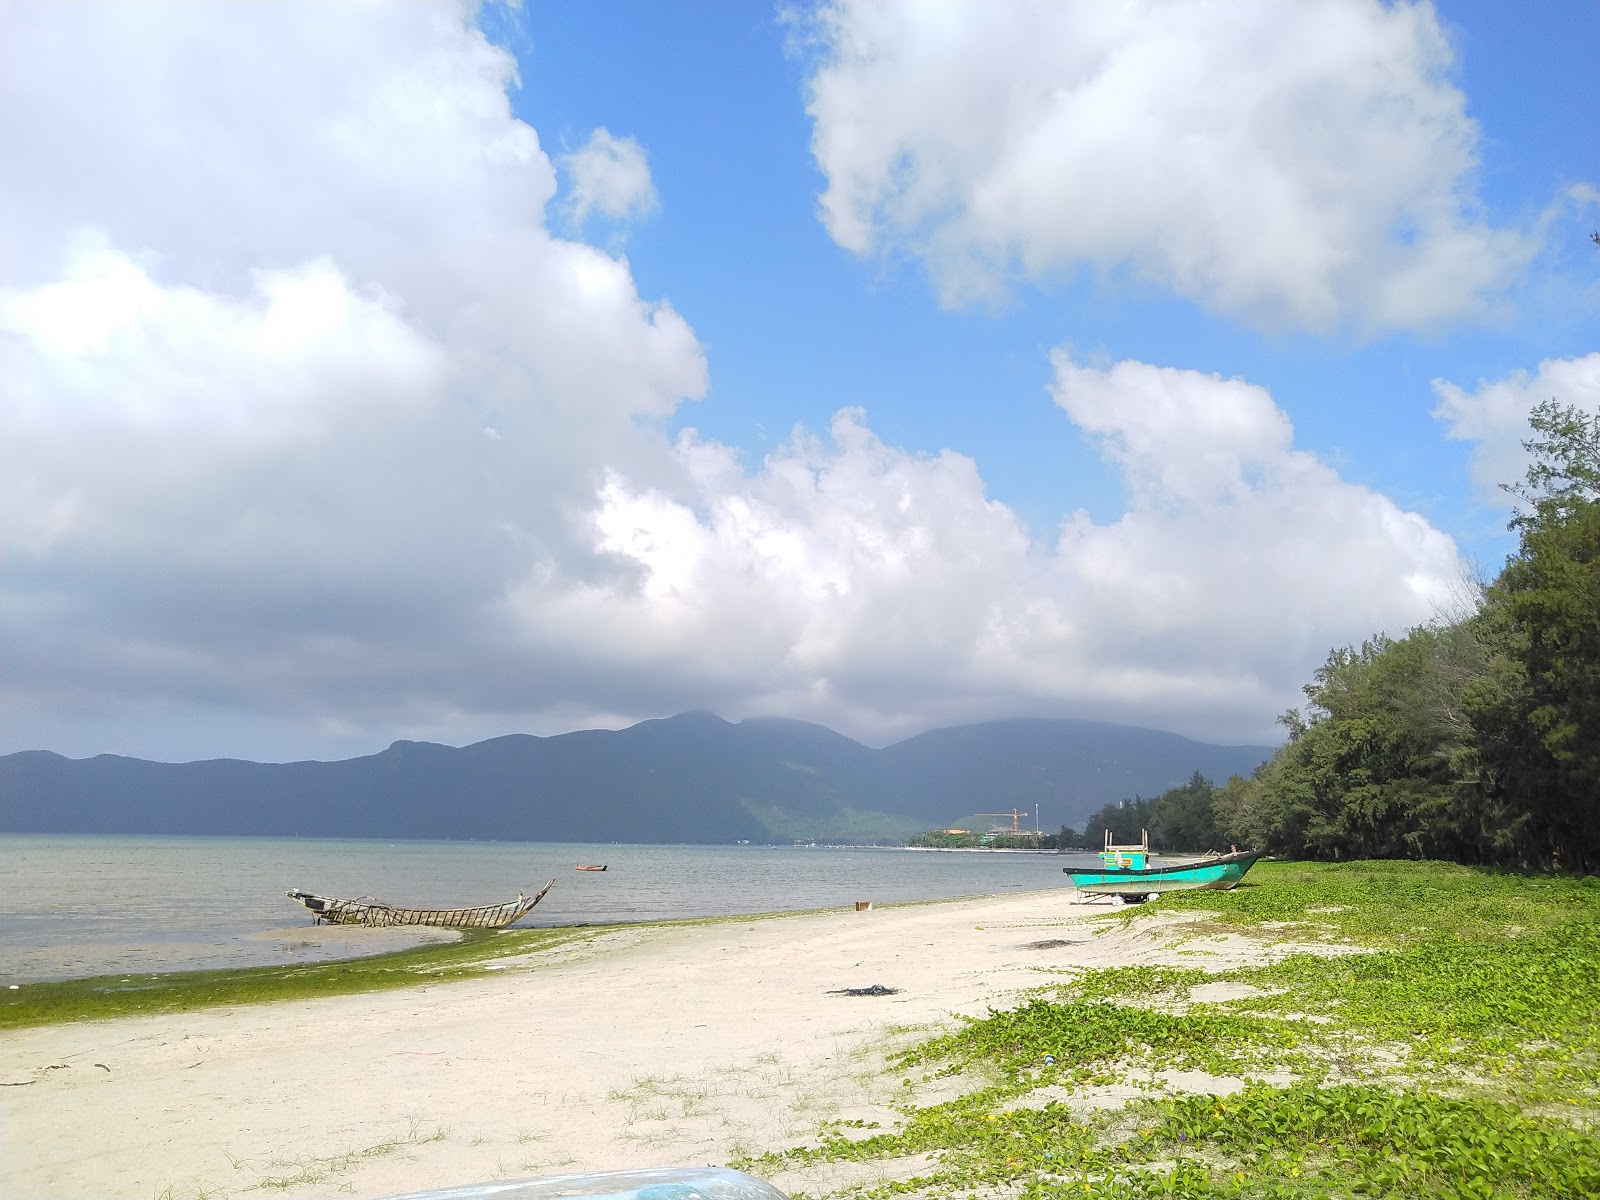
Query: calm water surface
pixel 77 906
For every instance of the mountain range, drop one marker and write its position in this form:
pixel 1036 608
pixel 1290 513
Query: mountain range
pixel 689 778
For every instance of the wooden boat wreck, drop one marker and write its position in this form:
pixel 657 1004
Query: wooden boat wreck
pixel 367 911
pixel 1126 871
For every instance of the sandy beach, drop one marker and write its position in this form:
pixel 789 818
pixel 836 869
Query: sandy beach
pixel 646 1046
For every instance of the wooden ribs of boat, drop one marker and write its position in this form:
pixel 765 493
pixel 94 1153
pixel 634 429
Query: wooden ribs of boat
pixel 591 867
pixel 367 911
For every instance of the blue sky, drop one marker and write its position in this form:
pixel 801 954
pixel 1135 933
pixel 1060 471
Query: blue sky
pixel 440 372
pixel 797 327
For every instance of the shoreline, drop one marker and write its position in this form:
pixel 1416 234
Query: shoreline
pixel 406 939
pixel 646 1045
pixel 1142 1052
pixel 225 906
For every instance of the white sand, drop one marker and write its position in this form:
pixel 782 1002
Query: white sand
pixel 645 1047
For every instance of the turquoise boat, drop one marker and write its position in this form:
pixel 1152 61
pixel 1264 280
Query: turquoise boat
pixel 1126 871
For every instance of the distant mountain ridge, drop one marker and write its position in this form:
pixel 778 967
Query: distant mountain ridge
pixel 689 778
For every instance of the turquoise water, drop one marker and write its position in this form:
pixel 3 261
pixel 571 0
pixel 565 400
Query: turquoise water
pixel 77 906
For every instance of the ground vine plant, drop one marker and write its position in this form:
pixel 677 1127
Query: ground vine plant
pixel 1452 1049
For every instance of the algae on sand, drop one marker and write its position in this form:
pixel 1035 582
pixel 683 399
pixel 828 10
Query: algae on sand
pixel 108 996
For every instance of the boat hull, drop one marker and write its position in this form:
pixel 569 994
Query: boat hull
pixel 376 914
pixel 1209 874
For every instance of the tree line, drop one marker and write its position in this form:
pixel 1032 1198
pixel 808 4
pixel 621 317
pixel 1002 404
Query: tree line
pixel 1474 738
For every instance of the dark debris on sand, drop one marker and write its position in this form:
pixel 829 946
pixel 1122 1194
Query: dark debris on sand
pixel 876 989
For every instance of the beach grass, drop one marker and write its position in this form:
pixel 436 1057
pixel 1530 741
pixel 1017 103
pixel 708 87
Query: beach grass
pixel 1438 1035
pixel 123 995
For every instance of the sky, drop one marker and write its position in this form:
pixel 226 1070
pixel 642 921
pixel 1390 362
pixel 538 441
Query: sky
pixel 442 371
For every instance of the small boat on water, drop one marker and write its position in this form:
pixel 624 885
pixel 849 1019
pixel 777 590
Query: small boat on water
pixel 367 911
pixel 591 866
pixel 1126 871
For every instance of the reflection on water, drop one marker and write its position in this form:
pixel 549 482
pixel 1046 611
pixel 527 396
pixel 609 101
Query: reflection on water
pixel 76 906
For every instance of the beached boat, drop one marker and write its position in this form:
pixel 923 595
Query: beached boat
pixel 1126 871
pixel 591 867
pixel 367 911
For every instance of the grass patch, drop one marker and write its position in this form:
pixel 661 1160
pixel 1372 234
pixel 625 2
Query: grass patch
pixel 310 1171
pixel 1387 903
pixel 1077 1042
pixel 108 996
pixel 1457 1055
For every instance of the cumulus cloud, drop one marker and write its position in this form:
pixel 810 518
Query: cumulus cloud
pixel 314 428
pixel 846 576
pixel 255 323
pixel 1231 531
pixel 1494 417
pixel 129 354
pixel 609 176
pixel 1303 165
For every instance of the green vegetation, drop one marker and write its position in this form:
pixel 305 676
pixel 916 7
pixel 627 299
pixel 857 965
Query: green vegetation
pixel 1443 1041
pixel 1180 818
pixel 184 991
pixel 312 1172
pixel 1474 739
pixel 964 839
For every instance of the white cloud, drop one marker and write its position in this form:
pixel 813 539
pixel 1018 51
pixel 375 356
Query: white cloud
pixel 107 350
pixel 1237 548
pixel 120 390
pixel 609 176
pixel 1299 165
pixel 848 578
pixel 315 431
pixel 1495 416
pixel 256 321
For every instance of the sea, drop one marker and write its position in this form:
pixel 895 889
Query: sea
pixel 80 906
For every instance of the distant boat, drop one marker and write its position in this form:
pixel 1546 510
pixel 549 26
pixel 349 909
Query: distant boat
pixel 590 867
pixel 1126 872
pixel 367 911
